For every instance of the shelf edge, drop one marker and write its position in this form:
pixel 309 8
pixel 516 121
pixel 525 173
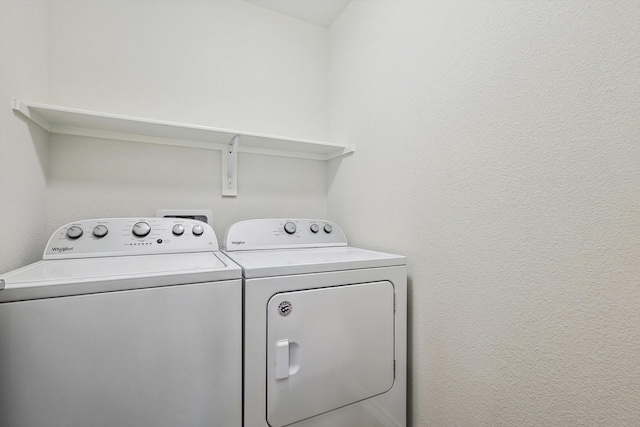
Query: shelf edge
pixel 132 137
pixel 23 108
pixel 30 110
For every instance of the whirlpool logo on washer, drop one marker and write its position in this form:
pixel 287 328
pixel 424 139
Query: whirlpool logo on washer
pixel 62 249
pixel 238 242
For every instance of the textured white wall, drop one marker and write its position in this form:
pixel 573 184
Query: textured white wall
pixel 226 64
pixel 498 148
pixel 23 145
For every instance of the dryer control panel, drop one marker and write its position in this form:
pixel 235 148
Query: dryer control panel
pixel 130 236
pixel 282 233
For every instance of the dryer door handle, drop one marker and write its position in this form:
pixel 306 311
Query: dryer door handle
pixel 282 360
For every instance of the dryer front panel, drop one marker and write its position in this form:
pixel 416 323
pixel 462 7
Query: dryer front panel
pixel 328 348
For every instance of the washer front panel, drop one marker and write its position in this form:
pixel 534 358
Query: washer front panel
pixel 161 357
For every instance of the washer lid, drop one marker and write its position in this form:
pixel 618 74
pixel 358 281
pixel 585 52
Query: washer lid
pixel 63 277
pixel 281 262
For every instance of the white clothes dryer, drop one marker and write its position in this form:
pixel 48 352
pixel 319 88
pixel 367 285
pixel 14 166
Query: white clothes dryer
pixel 325 327
pixel 125 322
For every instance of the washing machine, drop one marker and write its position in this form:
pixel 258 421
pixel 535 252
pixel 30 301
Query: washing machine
pixel 325 326
pixel 124 322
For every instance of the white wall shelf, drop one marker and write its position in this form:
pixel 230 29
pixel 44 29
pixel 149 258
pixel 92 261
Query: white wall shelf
pixel 73 121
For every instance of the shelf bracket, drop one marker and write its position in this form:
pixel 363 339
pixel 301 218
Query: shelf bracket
pixel 230 168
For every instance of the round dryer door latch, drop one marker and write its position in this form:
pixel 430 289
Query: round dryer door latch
pixel 284 308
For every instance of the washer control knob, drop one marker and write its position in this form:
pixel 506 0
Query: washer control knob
pixel 314 228
pixel 141 229
pixel 328 228
pixel 74 232
pixel 290 228
pixel 198 230
pixel 178 229
pixel 100 231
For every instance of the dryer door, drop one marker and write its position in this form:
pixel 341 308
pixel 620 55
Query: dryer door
pixel 328 348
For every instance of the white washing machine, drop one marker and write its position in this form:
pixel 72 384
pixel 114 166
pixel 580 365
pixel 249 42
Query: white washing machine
pixel 325 327
pixel 125 322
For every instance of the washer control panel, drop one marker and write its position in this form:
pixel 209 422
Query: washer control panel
pixel 130 236
pixel 280 233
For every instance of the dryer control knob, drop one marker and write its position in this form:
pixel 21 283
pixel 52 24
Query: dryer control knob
pixel 178 229
pixel 328 228
pixel 197 230
pixel 74 232
pixel 314 228
pixel 100 231
pixel 141 229
pixel 290 228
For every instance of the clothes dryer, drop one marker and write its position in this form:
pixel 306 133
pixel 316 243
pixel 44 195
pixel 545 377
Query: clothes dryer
pixel 125 322
pixel 324 326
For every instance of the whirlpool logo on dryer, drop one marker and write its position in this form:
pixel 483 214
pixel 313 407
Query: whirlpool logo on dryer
pixel 62 248
pixel 237 242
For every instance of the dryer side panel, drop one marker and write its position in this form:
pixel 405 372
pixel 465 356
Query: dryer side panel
pixel 328 348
